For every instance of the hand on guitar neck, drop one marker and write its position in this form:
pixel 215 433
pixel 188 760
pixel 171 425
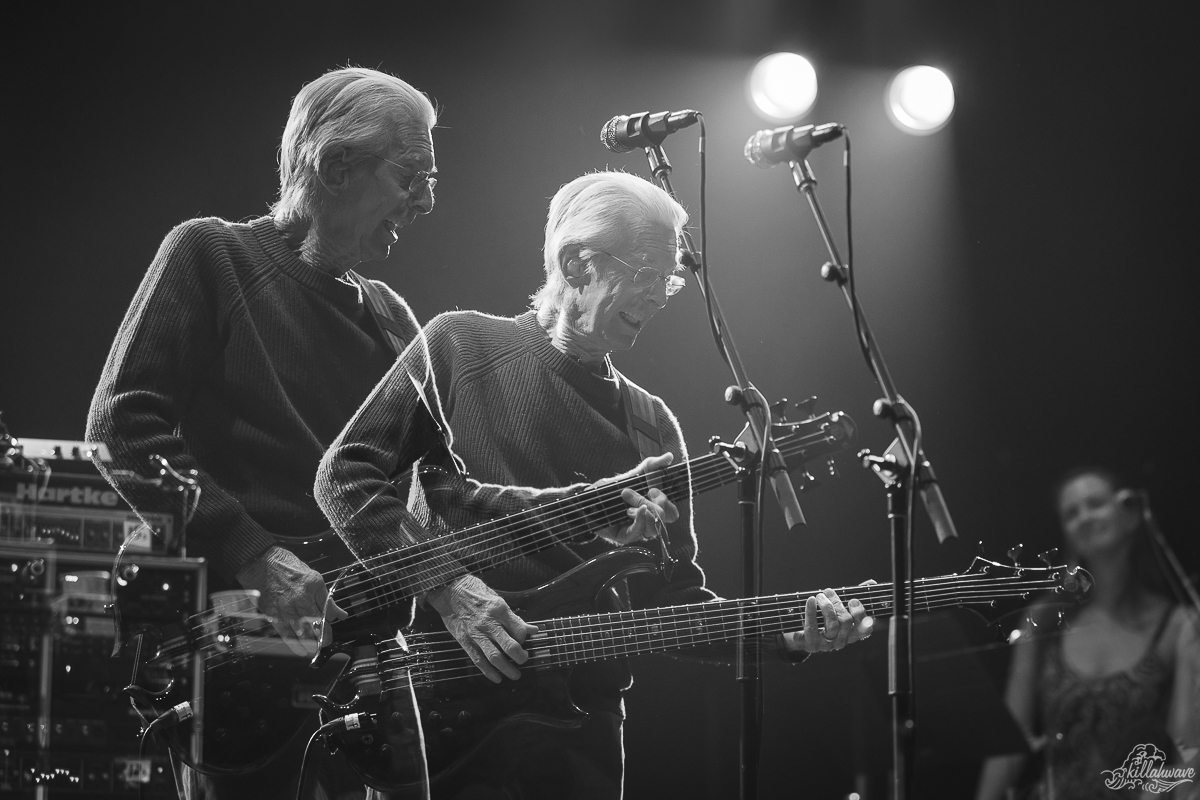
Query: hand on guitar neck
pixel 848 622
pixel 293 597
pixel 487 628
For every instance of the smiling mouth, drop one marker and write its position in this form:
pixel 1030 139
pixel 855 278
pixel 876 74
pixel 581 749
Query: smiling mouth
pixel 634 322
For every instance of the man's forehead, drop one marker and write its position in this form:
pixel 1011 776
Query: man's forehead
pixel 658 247
pixel 416 151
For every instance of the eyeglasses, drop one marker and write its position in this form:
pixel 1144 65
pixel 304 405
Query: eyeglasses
pixel 421 180
pixel 646 277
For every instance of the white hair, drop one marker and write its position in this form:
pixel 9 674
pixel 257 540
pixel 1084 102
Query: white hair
pixel 363 110
pixel 600 211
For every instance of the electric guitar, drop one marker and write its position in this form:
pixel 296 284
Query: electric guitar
pixel 459 712
pixel 248 693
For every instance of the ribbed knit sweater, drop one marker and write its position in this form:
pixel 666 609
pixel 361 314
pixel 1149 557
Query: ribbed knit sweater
pixel 523 414
pixel 241 361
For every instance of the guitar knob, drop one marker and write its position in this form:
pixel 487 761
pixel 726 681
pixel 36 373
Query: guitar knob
pixel 464 717
pixel 434 717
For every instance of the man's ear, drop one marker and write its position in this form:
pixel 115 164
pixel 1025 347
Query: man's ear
pixel 573 266
pixel 334 169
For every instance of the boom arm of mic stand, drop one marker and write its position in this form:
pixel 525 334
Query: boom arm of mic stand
pixel 781 482
pixel 927 484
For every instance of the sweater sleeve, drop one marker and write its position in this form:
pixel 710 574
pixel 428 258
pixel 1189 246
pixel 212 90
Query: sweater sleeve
pixel 173 331
pixel 363 485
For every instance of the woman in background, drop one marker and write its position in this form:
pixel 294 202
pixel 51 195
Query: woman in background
pixel 1122 675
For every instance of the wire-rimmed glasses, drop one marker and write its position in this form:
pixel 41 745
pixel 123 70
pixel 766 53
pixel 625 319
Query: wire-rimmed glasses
pixel 646 277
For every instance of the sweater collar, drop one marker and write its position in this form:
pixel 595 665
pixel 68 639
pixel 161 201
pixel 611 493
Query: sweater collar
pixel 274 245
pixel 538 341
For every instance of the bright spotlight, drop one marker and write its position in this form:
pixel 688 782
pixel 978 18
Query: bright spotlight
pixel 783 87
pixel 920 100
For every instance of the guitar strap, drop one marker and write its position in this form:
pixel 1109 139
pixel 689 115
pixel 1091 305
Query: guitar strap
pixel 393 332
pixel 381 314
pixel 641 420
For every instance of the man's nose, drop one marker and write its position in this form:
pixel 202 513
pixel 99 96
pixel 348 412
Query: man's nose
pixel 423 202
pixel 656 295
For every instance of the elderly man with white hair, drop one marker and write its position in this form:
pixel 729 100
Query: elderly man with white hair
pixel 535 401
pixel 249 345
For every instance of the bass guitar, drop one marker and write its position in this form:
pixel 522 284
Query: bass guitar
pixel 248 693
pixel 458 712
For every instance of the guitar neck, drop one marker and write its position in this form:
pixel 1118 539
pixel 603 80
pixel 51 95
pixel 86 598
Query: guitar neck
pixel 566 641
pixel 576 516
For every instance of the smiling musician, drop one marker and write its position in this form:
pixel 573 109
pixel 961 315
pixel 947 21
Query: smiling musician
pixel 535 401
pixel 249 345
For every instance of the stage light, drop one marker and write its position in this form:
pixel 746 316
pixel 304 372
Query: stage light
pixel 920 100
pixel 783 87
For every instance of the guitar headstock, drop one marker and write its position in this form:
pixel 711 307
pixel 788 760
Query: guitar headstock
pixel 808 439
pixel 1004 589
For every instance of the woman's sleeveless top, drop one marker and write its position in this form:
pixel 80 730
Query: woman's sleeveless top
pixel 1092 724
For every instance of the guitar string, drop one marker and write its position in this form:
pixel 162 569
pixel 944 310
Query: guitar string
pixel 875 594
pixel 829 432
pixel 966 587
pixel 561 651
pixel 596 499
pixel 451 664
pixel 600 506
pixel 735 610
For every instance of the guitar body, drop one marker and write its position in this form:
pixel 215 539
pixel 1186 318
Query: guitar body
pixel 465 719
pixel 249 694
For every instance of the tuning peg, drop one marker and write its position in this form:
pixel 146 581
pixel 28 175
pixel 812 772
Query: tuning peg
pixel 1048 557
pixel 1014 553
pixel 807 480
pixel 807 408
pixel 982 552
pixel 779 411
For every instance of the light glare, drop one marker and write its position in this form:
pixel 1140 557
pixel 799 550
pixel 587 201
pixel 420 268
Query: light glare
pixel 783 87
pixel 920 100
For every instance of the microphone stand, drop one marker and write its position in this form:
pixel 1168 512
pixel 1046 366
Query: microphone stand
pixel 894 469
pixel 746 397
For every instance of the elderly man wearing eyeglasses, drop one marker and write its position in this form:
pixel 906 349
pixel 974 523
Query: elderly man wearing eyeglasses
pixel 535 401
pixel 250 344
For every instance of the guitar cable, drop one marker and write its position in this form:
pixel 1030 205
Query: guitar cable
pixel 349 722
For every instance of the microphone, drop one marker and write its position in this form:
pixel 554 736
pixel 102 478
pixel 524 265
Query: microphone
pixel 770 147
pixel 624 133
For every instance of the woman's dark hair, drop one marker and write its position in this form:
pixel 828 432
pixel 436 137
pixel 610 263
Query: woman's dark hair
pixel 1145 569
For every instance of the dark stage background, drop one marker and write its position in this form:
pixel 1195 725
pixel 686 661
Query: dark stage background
pixel 1024 268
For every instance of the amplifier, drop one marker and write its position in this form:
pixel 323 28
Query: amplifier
pixel 66 728
pixel 78 511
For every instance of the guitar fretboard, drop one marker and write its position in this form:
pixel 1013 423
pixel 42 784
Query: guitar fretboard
pixel 566 641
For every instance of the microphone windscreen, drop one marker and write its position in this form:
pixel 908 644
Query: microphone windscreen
pixel 608 136
pixel 753 150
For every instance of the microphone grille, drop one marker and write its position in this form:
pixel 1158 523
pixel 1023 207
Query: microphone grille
pixel 753 150
pixel 608 136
